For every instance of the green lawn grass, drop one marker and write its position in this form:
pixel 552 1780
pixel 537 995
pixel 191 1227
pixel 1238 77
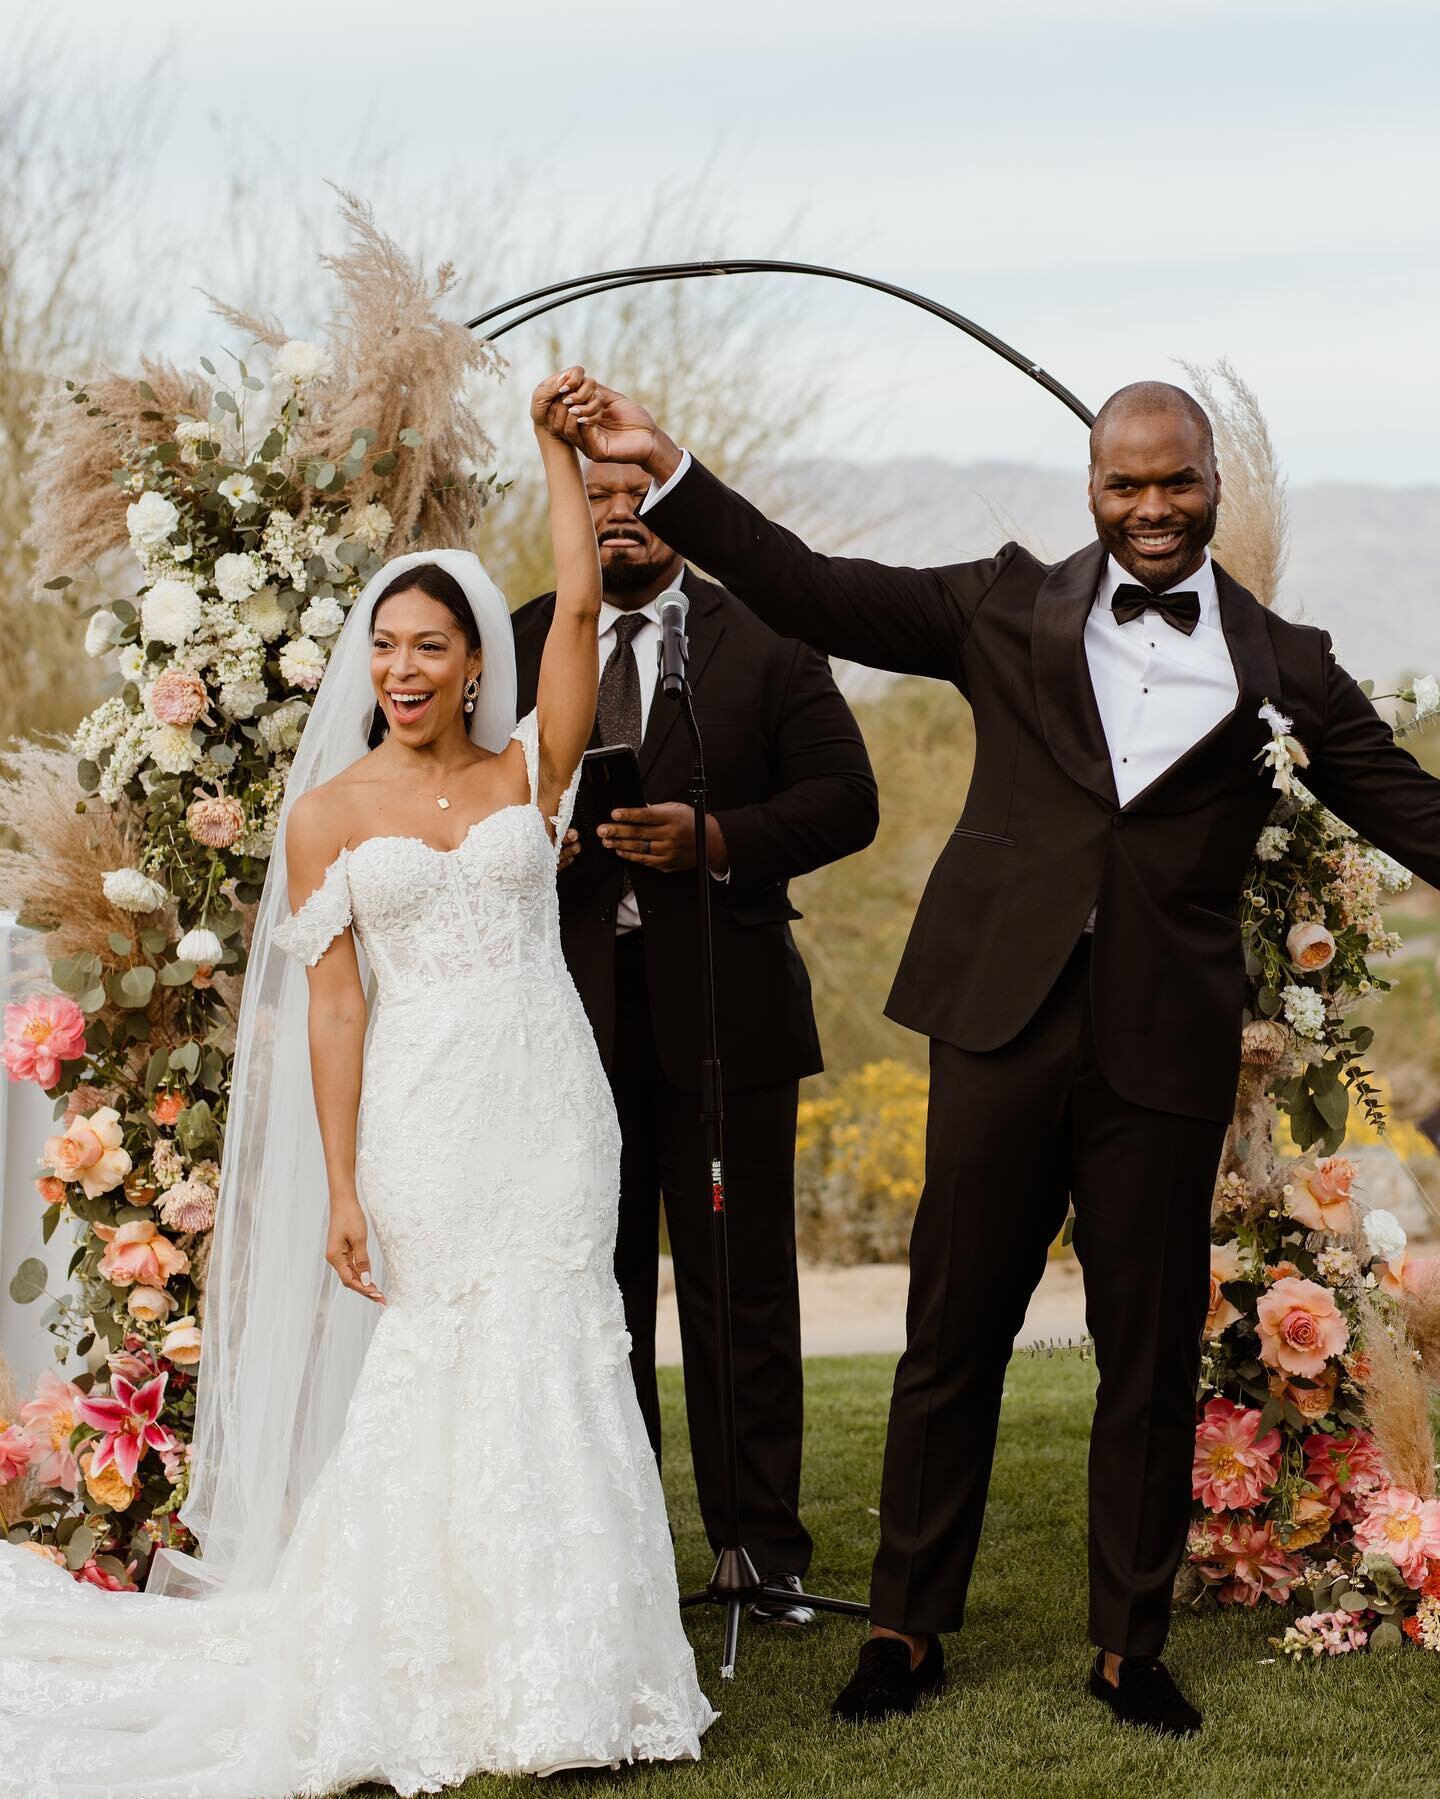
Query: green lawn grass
pixel 1014 1718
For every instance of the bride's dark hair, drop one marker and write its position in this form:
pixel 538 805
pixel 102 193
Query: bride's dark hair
pixel 437 584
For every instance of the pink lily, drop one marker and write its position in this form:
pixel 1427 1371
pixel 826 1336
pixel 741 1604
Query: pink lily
pixel 128 1423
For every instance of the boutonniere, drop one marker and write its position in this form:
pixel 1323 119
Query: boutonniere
pixel 1284 753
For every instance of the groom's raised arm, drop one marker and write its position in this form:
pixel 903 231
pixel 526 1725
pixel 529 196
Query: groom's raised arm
pixel 912 620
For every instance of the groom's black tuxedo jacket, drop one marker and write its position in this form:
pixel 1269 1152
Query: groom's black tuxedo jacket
pixel 1042 839
pixel 791 786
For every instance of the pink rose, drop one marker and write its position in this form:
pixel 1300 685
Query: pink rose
pixel 41 1033
pixel 1322 1203
pixel 1233 1466
pixel 138 1254
pixel 1310 946
pixel 1300 1327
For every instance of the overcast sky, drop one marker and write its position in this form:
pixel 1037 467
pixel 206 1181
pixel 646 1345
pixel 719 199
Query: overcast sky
pixel 1107 186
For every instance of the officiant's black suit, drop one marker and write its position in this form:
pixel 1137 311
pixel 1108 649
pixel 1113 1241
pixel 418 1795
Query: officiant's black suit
pixel 791 786
pixel 1101 1065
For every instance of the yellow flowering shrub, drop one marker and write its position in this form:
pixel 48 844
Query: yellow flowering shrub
pixel 860 1164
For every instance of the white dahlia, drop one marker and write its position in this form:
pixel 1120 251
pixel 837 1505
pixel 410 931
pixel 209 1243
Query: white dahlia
pixel 170 612
pixel 322 618
pixel 237 576
pixel 172 750
pixel 370 525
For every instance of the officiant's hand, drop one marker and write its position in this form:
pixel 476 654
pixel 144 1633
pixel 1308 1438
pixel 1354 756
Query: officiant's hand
pixel 663 837
pixel 608 427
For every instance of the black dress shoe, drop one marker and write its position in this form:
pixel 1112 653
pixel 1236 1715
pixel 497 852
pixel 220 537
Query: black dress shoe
pixel 885 1686
pixel 776 1611
pixel 1146 1696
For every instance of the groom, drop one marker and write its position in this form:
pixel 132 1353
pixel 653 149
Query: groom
pixel 1076 964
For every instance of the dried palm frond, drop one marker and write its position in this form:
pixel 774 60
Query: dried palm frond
pixel 53 878
pixel 1397 1401
pixel 78 511
pixel 1252 536
pixel 1420 1304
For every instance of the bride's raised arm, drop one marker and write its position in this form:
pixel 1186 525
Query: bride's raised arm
pixel 569 667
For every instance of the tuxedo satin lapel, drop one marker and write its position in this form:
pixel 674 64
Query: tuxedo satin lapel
pixel 704 629
pixel 1064 695
pixel 1228 751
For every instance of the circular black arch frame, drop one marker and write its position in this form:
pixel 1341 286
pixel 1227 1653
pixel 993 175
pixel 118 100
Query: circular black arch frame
pixel 581 287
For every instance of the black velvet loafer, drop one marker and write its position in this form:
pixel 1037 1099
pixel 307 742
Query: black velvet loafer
pixel 885 1686
pixel 1146 1697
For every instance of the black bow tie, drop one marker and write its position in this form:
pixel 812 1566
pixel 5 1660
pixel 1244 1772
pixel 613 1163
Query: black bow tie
pixel 1182 610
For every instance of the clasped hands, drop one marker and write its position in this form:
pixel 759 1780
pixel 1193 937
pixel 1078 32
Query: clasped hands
pixel 661 837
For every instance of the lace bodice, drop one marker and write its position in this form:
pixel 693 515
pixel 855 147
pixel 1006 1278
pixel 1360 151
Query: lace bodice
pixel 429 918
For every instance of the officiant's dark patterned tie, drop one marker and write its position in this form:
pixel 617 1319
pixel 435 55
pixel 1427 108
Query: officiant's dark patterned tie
pixel 617 711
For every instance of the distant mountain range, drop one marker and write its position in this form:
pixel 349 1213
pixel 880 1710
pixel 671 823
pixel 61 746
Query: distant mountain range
pixel 1360 564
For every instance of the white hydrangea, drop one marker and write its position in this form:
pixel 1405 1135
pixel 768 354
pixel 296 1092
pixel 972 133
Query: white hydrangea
pixel 1273 842
pixel 1394 877
pixel 237 576
pixel 280 729
pixel 102 632
pixel 126 759
pixel 150 520
pixel 264 614
pixel 370 525
pixel 173 751
pixel 1305 1009
pixel 132 662
pixel 302 663
pixel 1427 696
pixel 102 730
pixel 238 489
pixel 240 698
pixel 132 891
pixel 1384 1235
pixel 322 618
pixel 169 612
pixel 301 362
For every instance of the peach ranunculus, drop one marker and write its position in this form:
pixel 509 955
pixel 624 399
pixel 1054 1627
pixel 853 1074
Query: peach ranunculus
pixel 1322 1201
pixel 1245 1560
pixel 51 1189
pixel 1402 1525
pixel 139 1254
pixel 90 1152
pixel 41 1033
pixel 165 1108
pixel 1233 1466
pixel 1225 1265
pixel 149 1304
pixel 182 1342
pixel 1300 1327
pixel 1310 946
pixel 1344 1470
pixel 1312 1402
pixel 48 1420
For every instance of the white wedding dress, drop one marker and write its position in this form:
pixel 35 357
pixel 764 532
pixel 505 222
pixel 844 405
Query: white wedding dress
pixel 482 1578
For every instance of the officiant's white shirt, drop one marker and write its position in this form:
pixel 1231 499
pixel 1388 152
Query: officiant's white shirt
pixel 1158 691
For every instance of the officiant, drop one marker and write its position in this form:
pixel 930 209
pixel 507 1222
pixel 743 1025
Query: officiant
pixel 791 789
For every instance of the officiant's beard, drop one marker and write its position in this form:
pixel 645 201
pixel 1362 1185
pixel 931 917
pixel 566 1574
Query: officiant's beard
pixel 624 576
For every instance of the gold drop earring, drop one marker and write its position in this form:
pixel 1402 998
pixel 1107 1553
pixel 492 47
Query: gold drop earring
pixel 472 691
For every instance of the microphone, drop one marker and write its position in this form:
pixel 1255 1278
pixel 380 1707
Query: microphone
pixel 674 647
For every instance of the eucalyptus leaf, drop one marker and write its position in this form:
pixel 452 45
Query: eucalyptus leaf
pixel 92 999
pixel 196 1128
pixel 177 974
pixel 410 437
pixel 60 581
pixel 49 1222
pixel 80 1547
pixel 122 945
pixel 155 1068
pixel 186 1059
pixel 28 1281
pixel 384 463
pixel 1386 1635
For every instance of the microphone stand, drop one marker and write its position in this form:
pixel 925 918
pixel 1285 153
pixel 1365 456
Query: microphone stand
pixel 734 1583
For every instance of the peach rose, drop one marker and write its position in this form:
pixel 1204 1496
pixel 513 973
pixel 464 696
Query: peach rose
pixel 1311 1402
pixel 1225 1265
pixel 1310 946
pixel 182 1342
pixel 1322 1203
pixel 149 1304
pixel 89 1152
pixel 50 1189
pixel 1311 1519
pixel 138 1254
pixel 1300 1327
pixel 109 1486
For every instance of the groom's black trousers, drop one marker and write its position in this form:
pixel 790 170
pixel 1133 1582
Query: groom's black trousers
pixel 663 1154
pixel 1010 1134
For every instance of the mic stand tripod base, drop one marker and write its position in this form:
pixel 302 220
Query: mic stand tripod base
pixel 735 1584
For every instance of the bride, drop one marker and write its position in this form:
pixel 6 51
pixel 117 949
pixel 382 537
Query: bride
pixel 453 1558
